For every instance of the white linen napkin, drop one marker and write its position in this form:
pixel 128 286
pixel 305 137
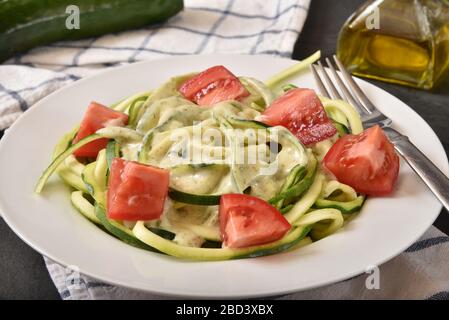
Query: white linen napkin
pixel 221 26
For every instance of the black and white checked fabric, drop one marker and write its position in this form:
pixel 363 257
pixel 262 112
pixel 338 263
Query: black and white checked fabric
pixel 219 26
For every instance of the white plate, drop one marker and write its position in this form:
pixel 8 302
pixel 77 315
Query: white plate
pixel 48 223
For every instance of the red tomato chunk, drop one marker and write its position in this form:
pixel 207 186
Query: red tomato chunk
pixel 248 221
pixel 367 162
pixel 136 191
pixel 213 85
pixel 96 117
pixel 301 112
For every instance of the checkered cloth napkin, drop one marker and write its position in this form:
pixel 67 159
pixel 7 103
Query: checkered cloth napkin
pixel 223 26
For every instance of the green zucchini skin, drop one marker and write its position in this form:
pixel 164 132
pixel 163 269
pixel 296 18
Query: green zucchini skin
pixel 345 207
pixel 299 187
pixel 296 174
pixel 190 198
pixel 341 128
pixel 269 250
pixel 112 151
pixel 60 158
pixel 247 124
pixel 118 232
pixel 25 24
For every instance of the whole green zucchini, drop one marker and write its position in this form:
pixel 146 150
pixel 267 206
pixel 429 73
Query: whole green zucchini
pixel 25 24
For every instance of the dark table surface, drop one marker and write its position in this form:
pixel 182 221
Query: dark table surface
pixel 22 270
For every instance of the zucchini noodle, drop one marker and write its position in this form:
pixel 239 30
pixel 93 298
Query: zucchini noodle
pixel 339 191
pixel 83 206
pixel 292 71
pixel 338 109
pixel 206 157
pixel 126 103
pixel 330 221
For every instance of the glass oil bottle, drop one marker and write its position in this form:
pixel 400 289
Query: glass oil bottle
pixel 399 41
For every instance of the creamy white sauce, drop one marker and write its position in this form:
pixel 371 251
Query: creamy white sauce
pixel 175 124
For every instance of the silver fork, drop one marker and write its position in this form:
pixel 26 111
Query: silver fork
pixel 436 180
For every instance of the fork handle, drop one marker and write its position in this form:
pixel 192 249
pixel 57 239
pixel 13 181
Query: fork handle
pixel 433 177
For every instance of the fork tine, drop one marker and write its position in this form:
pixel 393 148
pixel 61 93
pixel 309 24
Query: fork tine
pixel 319 83
pixel 334 92
pixel 354 87
pixel 349 97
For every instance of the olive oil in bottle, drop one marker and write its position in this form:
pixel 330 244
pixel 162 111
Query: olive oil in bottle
pixel 399 41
